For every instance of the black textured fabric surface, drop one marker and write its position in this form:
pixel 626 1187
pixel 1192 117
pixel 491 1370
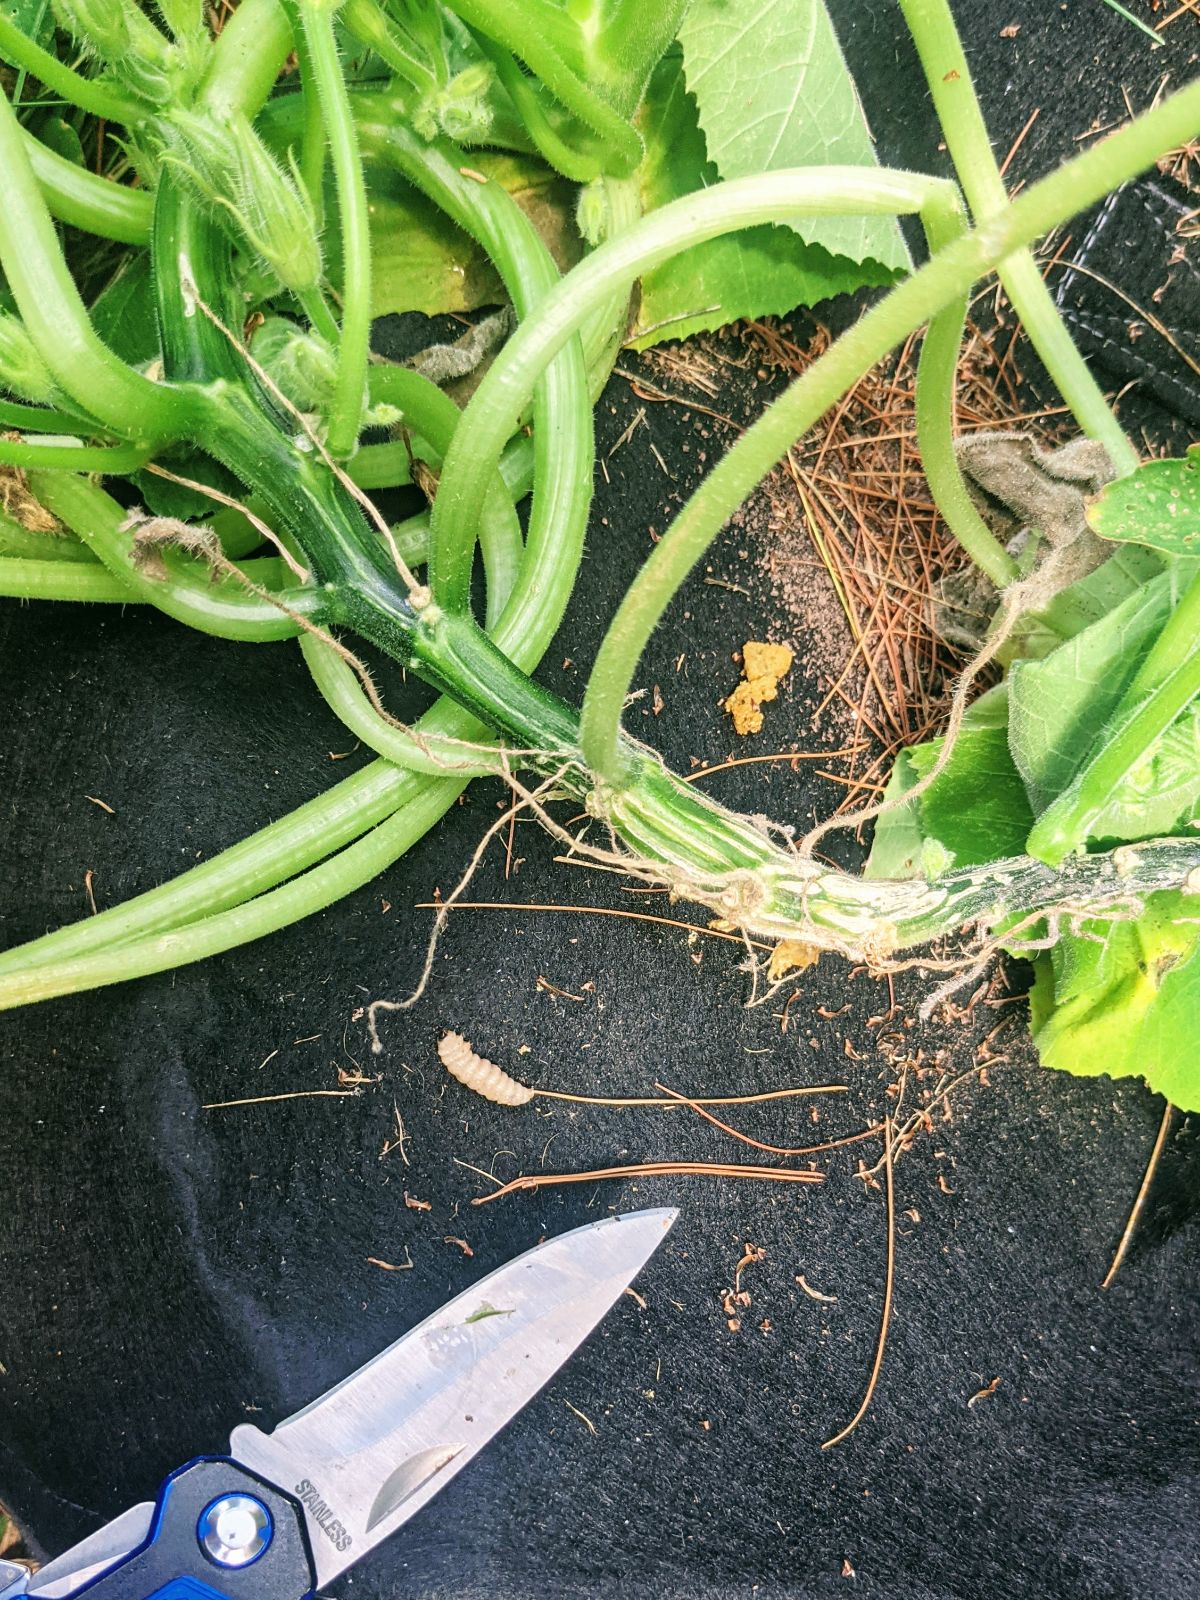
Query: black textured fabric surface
pixel 169 1271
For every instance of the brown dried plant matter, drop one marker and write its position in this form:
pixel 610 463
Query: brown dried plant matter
pixel 18 502
pixel 851 509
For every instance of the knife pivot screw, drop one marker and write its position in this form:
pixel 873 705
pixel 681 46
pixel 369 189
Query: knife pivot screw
pixel 234 1530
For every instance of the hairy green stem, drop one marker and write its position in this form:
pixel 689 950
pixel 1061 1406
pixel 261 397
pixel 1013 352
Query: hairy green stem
pixel 526 38
pixel 223 609
pixel 562 420
pixel 936 392
pixel 369 25
pixel 72 456
pixel 931 23
pixel 246 58
pixel 84 200
pixel 353 349
pixel 100 98
pixel 1081 181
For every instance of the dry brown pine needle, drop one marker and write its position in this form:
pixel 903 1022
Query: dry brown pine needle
pixel 652 1169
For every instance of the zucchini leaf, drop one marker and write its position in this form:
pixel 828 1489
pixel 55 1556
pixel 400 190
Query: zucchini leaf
pixel 420 261
pixel 1124 1000
pixel 1158 505
pixel 975 811
pixel 764 271
pixel 773 91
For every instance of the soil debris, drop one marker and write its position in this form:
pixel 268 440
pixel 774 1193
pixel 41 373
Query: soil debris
pixel 791 955
pixel 763 665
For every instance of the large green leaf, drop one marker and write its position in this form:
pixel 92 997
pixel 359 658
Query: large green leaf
pixel 124 313
pixel 1059 706
pixel 422 262
pixel 974 811
pixel 1158 505
pixel 1125 998
pixel 773 91
pixel 757 272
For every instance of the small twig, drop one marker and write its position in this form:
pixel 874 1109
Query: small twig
pixel 1139 1203
pixel 652 1169
pixel 885 1316
pixel 815 1294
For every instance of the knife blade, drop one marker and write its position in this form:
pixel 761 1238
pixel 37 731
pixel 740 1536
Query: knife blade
pixel 290 1510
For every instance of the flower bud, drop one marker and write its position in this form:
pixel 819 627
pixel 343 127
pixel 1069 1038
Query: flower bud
pixel 22 370
pixel 269 206
pixel 592 211
pixel 461 108
pixel 123 36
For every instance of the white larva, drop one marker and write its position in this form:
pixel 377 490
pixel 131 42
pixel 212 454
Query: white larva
pixel 484 1077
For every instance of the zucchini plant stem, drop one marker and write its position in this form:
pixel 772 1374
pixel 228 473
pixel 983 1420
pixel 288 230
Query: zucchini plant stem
pixel 562 418
pixel 223 609
pixel 81 198
pixel 936 391
pixel 931 23
pixel 55 316
pixel 353 348
pixel 100 98
pixel 1045 205
pixel 528 37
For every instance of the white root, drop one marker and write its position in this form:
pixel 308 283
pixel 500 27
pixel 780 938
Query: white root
pixel 480 1075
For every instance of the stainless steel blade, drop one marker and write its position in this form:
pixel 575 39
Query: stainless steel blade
pixel 93 1555
pixel 370 1452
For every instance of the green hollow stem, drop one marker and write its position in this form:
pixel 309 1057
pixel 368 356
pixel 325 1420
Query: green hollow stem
pixel 353 349
pixel 316 309
pixel 223 609
pixel 39 419
pixel 58 577
pixel 578 165
pixel 311 166
pixel 434 416
pixel 90 94
pixel 20 542
pixel 312 891
pixel 562 420
pixel 72 455
pixel 936 392
pixel 291 845
pixel 1176 644
pixel 246 58
pixel 29 578
pixel 86 201
pixel 931 23
pixel 55 316
pixel 367 22
pixel 1077 184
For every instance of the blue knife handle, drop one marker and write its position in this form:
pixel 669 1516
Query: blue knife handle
pixel 182 1557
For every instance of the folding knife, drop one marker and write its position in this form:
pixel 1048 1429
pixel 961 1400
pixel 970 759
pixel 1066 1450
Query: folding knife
pixel 285 1512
